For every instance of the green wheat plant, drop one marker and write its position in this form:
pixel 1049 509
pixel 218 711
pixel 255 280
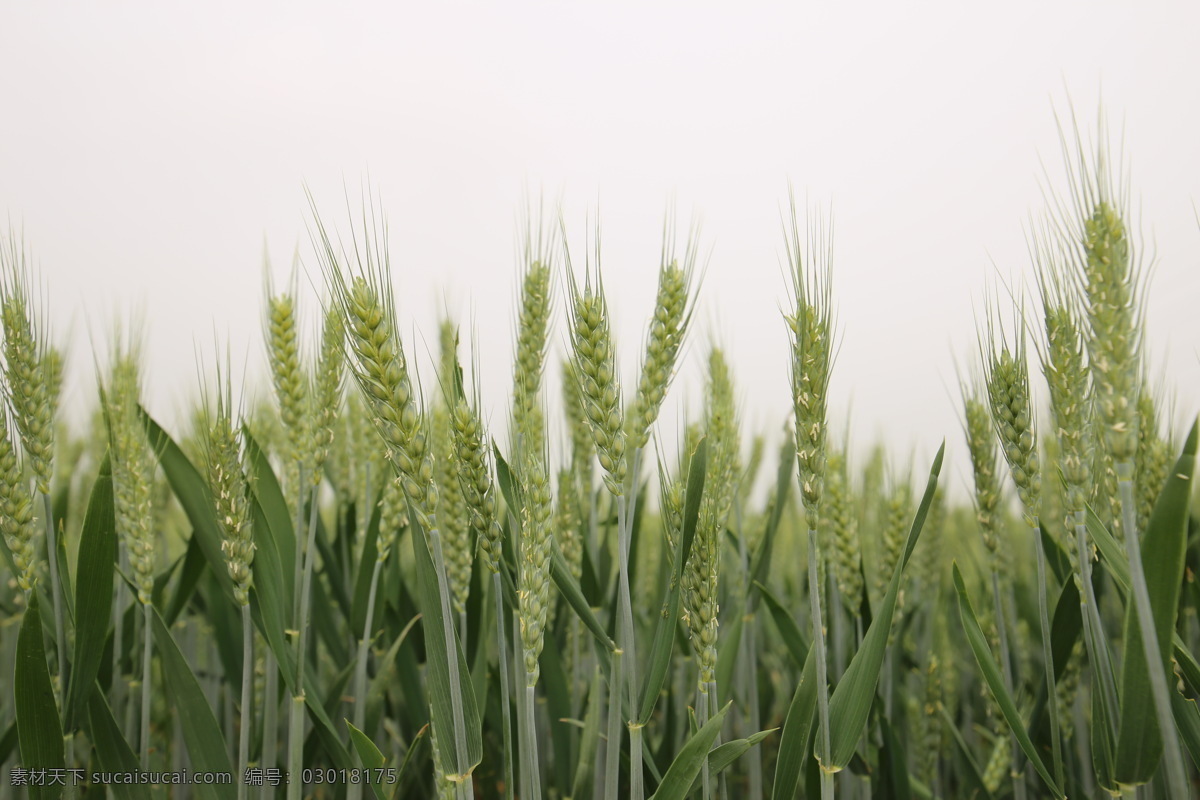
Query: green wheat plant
pixel 593 572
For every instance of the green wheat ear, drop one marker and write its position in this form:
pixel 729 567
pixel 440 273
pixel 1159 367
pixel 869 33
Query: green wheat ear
pixel 981 445
pixel 230 489
pixel 673 308
pixel 1006 376
pixel 843 525
pixel 1064 365
pixel 16 510
pixel 533 591
pixel 702 572
pixel 594 367
pixel 327 389
pixel 132 467
pixel 811 326
pixel 31 373
pixel 452 509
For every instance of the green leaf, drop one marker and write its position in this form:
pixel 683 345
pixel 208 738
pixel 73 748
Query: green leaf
pixel 405 773
pixel 1139 741
pixel 1187 719
pixel 851 701
pixel 438 667
pixel 267 610
pixel 677 781
pixel 560 573
pixel 189 579
pixel 8 741
pixel 38 727
pixel 371 758
pixel 112 751
pixel 1112 555
pixel 789 630
pixel 995 681
pixel 722 756
pixel 93 592
pixel 201 733
pixel 385 675
pixel 194 496
pixel 792 750
pixel 668 620
pixel 1103 746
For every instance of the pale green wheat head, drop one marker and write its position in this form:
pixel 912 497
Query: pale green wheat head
pixel 811 326
pixel 16 510
pixel 1110 279
pixel 533 326
pixel 594 366
pixel 452 508
pixel 29 370
pixel 474 470
pixel 132 464
pixel 981 445
pixel 1064 365
pixel 327 389
pixel 533 591
pixel 230 490
pixel 363 289
pixel 1006 375
pixel 842 520
pixel 288 373
pixel 673 309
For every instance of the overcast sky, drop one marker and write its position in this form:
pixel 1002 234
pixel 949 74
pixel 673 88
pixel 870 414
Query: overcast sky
pixel 148 151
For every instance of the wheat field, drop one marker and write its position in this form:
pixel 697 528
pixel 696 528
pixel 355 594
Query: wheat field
pixel 361 583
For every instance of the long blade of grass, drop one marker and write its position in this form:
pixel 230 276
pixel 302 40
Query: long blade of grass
pixel 453 762
pixel 93 592
pixel 682 773
pixel 201 732
pixel 194 496
pixel 789 629
pixel 793 754
pixel 664 630
pixel 372 759
pixel 851 701
pixel 1140 741
pixel 38 727
pixel 995 681
pixel 113 753
pixel 722 756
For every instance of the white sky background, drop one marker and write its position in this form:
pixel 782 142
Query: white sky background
pixel 147 150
